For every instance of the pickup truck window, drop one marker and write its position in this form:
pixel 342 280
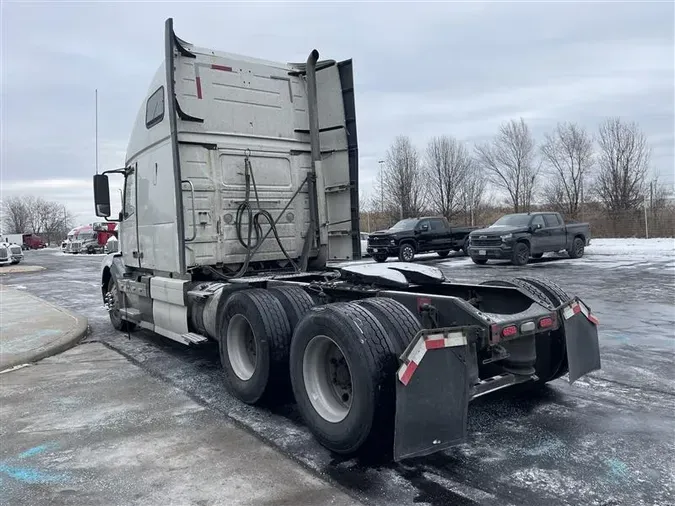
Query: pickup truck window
pixel 538 220
pixel 437 225
pixel 551 220
pixel 512 220
pixel 421 224
pixel 408 224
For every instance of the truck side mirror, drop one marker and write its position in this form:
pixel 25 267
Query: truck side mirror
pixel 101 195
pixel 424 227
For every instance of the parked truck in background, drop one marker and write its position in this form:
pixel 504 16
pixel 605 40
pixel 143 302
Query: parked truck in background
pixel 10 251
pixel 32 241
pixel 418 235
pixel 12 238
pixel 90 238
pixel 240 184
pixel 519 237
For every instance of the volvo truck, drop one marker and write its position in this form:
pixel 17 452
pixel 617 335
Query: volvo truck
pixel 240 190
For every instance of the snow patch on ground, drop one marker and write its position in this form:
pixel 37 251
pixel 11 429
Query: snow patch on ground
pixel 632 247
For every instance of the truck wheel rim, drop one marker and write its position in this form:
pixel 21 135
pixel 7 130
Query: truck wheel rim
pixel 580 248
pixel 407 252
pixel 327 379
pixel 241 347
pixel 112 301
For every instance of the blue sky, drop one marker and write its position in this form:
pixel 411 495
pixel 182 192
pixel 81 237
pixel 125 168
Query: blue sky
pixel 421 70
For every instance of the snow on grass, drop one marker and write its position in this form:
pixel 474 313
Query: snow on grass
pixel 632 247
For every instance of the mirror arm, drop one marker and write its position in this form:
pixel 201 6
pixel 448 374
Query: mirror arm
pixel 123 171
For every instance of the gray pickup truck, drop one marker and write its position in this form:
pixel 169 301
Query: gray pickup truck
pixel 519 237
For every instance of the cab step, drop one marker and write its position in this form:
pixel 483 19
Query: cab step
pixel 194 338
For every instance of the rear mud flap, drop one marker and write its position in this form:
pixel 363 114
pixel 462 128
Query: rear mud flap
pixel 432 394
pixel 581 336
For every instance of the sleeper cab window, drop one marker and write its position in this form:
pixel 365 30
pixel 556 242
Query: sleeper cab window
pixel 154 109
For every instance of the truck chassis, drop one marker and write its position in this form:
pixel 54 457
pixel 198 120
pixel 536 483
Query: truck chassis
pixel 378 358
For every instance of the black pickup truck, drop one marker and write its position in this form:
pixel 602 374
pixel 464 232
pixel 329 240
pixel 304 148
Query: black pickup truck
pixel 418 235
pixel 517 237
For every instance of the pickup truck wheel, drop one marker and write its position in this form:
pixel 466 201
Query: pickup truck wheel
pixel 295 301
pixel 443 253
pixel 406 252
pixel 465 246
pixel 343 365
pixel 537 255
pixel 113 301
pixel 577 250
pixel 254 338
pixel 521 254
pixel 479 261
pixel 380 258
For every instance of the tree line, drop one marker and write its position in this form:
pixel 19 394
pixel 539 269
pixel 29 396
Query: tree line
pixel 32 214
pixel 568 170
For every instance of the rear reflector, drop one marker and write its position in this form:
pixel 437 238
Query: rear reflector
pixel 509 331
pixel 527 327
pixel 545 323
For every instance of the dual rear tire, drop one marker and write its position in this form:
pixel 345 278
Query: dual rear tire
pixel 338 360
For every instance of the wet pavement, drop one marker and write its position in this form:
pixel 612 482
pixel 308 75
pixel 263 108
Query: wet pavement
pixel 607 440
pixel 89 428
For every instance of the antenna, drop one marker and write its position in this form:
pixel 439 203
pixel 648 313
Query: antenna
pixel 96 129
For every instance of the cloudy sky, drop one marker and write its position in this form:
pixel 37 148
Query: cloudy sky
pixel 421 69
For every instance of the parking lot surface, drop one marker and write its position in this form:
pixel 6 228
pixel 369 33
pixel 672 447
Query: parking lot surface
pixel 606 440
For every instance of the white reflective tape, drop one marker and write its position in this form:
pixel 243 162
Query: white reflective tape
pixel 418 351
pixel 455 339
pixel 568 312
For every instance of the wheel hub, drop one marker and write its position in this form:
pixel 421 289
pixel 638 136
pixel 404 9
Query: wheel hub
pixel 327 379
pixel 242 348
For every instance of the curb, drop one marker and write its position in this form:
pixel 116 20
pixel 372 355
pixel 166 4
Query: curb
pixel 67 341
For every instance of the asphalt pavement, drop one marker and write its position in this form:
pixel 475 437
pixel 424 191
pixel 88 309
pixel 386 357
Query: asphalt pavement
pixel 607 440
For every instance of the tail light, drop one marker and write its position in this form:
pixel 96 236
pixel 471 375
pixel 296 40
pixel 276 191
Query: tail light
pixel 509 331
pixel 546 322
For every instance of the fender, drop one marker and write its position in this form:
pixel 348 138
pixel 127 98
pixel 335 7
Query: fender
pixel 111 266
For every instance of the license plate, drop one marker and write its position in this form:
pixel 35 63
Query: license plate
pixel 481 252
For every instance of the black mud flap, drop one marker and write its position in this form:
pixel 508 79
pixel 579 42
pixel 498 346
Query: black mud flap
pixel 432 394
pixel 581 336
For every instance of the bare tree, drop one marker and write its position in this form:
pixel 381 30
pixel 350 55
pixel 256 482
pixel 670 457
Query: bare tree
pixel 403 184
pixel 447 164
pixel 28 213
pixel 622 166
pixel 472 195
pixel 509 160
pixel 569 157
pixel 15 215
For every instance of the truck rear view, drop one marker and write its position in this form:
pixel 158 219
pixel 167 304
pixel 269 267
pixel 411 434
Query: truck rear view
pixel 241 181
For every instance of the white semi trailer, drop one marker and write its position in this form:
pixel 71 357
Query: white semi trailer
pixel 240 184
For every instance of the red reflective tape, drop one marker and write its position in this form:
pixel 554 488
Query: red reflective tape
pixel 593 319
pixel 434 344
pixel 576 308
pixel 199 87
pixel 221 67
pixel 407 374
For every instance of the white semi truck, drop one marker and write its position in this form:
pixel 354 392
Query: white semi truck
pixel 240 184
